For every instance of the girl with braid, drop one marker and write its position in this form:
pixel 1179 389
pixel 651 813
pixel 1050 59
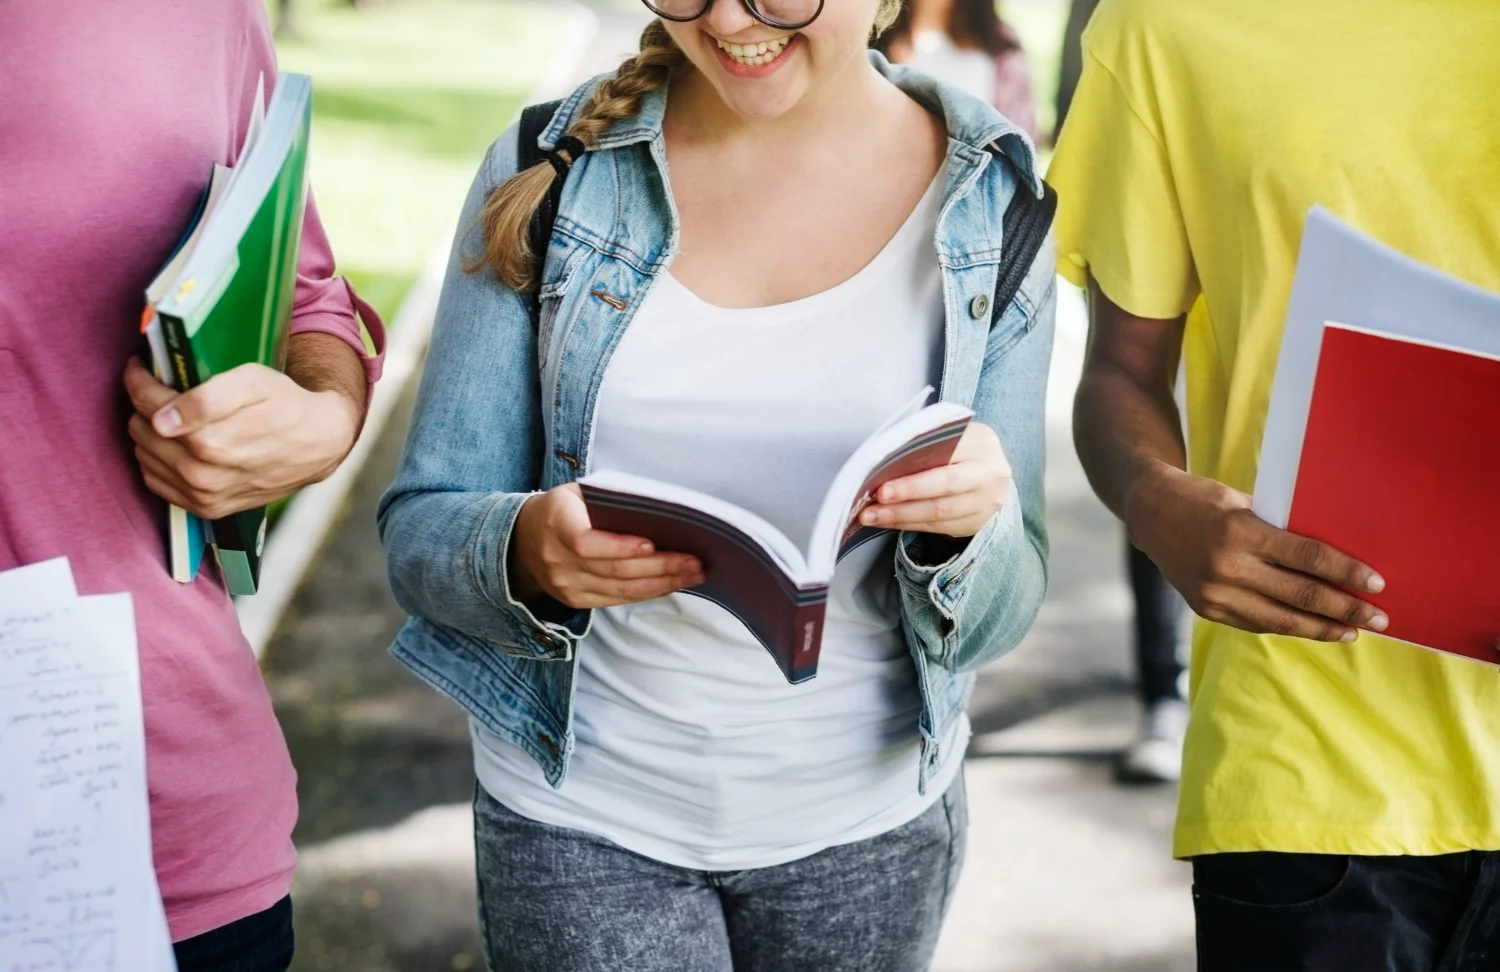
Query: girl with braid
pixel 768 239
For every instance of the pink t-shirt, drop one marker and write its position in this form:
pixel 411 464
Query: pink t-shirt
pixel 111 116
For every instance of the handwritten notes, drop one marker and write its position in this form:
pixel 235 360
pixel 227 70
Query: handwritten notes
pixel 77 888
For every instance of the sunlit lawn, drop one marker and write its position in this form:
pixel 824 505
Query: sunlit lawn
pixel 407 95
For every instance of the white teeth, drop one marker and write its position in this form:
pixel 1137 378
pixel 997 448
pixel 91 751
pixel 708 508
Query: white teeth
pixel 763 52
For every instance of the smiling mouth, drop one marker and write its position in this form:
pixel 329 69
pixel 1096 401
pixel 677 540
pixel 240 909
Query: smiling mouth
pixel 754 55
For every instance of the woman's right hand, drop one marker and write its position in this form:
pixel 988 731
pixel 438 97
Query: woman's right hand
pixel 554 550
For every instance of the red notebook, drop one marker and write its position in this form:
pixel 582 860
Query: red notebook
pixel 1400 468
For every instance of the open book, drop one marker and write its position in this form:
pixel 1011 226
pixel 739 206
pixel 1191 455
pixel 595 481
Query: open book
pixel 753 570
pixel 1382 436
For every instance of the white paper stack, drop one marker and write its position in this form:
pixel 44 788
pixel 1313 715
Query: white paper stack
pixel 77 888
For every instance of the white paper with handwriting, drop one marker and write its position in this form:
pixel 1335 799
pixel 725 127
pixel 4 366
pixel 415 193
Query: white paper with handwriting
pixel 77 889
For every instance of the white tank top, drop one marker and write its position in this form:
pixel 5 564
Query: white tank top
pixel 691 748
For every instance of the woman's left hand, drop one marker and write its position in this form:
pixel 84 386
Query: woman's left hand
pixel 955 500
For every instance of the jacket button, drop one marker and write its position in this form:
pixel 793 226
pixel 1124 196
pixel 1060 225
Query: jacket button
pixel 979 307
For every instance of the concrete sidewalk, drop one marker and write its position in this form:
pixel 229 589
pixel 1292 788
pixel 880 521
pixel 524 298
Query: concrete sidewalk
pixel 1065 870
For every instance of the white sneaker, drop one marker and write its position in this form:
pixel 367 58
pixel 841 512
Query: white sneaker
pixel 1156 755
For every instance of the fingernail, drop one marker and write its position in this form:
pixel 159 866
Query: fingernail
pixel 1379 623
pixel 1375 584
pixel 1349 636
pixel 166 421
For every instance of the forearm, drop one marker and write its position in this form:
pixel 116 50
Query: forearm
pixel 1126 426
pixel 1123 433
pixel 324 363
pixel 446 560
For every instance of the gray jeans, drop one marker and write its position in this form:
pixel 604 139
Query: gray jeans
pixel 559 900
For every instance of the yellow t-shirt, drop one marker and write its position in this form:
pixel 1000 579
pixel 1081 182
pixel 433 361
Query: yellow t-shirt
pixel 1201 133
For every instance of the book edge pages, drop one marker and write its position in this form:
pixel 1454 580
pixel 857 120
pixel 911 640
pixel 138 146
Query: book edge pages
pixel 161 286
pixel 761 532
pixel 215 260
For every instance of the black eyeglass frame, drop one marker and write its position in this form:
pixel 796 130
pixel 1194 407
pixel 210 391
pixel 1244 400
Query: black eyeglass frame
pixel 750 8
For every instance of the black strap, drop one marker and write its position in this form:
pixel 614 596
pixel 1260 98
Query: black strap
pixel 1023 231
pixel 534 121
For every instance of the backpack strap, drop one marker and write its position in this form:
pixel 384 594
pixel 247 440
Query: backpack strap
pixel 534 121
pixel 1023 231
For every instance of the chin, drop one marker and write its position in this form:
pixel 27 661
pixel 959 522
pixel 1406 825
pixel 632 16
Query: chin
pixel 757 102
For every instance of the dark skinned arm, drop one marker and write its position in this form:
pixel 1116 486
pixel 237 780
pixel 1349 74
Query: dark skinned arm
pixel 1231 566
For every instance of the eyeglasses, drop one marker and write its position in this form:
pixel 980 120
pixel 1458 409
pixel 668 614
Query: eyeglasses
pixel 781 14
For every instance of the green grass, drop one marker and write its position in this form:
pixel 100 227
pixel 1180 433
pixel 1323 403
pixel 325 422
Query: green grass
pixel 407 95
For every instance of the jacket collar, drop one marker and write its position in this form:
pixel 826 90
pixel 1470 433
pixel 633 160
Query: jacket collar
pixel 971 122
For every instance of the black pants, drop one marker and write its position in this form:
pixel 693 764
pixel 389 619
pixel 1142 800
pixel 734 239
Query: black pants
pixel 259 943
pixel 1158 616
pixel 1269 912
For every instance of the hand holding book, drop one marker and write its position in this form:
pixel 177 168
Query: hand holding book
pixel 1234 568
pixel 955 500
pixel 777 587
pixel 242 439
pixel 554 551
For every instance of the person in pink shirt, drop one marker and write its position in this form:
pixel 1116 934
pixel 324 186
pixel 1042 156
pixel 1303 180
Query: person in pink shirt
pixel 111 116
pixel 967 44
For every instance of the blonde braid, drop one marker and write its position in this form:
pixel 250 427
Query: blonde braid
pixel 506 217
pixel 885 16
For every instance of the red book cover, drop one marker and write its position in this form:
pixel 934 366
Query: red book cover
pixel 1400 468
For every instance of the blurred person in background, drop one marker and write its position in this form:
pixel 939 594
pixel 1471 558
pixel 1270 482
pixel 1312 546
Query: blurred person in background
pixel 1340 795
pixel 965 43
pixel 1159 611
pixel 1155 756
pixel 113 116
pixel 653 794
pixel 1070 61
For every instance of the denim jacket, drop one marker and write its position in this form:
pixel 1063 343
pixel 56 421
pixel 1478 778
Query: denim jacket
pixel 506 410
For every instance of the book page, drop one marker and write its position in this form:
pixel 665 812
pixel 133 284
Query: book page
pixel 77 888
pixel 922 441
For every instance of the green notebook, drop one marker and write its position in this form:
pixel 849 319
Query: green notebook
pixel 231 301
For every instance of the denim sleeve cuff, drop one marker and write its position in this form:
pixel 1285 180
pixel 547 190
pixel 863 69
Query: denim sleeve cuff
pixel 553 639
pixel 934 593
pixel 944 582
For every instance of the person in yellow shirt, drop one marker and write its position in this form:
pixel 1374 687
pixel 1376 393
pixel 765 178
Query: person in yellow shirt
pixel 1340 791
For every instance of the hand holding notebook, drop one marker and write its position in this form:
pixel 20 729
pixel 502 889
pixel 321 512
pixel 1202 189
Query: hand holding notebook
pixel 224 300
pixel 1392 364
